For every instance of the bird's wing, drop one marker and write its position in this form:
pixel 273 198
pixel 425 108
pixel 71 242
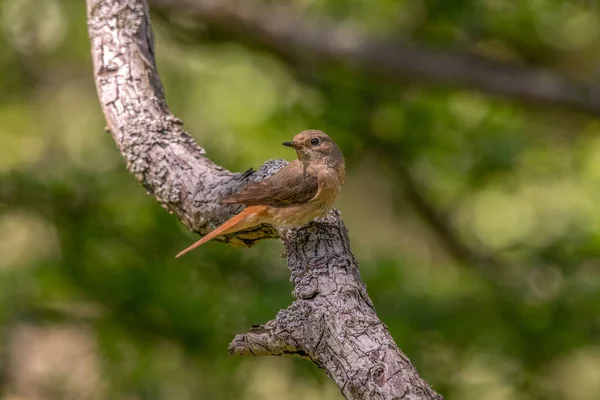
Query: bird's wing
pixel 289 186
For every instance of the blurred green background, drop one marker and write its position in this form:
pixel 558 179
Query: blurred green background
pixel 474 219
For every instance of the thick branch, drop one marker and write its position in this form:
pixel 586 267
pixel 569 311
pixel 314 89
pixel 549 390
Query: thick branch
pixel 159 153
pixel 283 32
pixel 332 322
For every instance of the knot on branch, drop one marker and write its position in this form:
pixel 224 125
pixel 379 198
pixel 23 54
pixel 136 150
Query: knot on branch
pixel 270 339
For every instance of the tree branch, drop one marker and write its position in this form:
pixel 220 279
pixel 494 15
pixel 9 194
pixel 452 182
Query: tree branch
pixel 332 322
pixel 156 149
pixel 283 32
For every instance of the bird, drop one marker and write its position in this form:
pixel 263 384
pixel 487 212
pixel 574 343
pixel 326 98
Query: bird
pixel 305 189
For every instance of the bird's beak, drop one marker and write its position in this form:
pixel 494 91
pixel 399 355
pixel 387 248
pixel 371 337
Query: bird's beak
pixel 289 144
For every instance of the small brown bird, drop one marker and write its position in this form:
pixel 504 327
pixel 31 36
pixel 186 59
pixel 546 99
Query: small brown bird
pixel 301 191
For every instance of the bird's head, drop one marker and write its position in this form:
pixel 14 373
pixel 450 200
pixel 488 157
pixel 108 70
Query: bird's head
pixel 316 147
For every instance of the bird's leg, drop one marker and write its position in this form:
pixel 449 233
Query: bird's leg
pixel 288 245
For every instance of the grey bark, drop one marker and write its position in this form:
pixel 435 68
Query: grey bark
pixel 282 31
pixel 332 322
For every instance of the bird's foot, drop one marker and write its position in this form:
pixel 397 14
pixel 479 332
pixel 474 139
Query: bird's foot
pixel 288 248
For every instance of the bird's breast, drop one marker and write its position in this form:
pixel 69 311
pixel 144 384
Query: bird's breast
pixel 301 214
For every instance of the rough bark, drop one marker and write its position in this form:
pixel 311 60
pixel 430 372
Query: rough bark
pixel 278 28
pixel 332 322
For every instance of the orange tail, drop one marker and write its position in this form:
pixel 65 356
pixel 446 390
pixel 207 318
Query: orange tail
pixel 224 228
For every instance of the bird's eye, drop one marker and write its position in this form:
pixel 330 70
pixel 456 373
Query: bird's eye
pixel 314 141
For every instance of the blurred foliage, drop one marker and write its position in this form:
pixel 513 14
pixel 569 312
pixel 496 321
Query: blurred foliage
pixel 86 258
